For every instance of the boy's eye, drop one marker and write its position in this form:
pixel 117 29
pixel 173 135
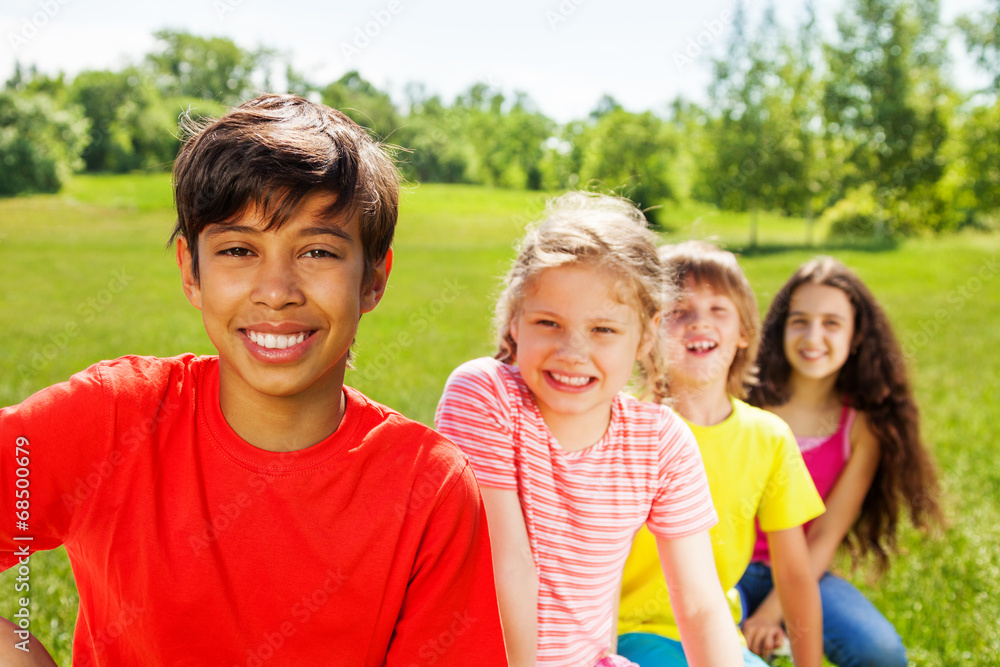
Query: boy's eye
pixel 236 252
pixel 546 323
pixel 604 330
pixel 319 253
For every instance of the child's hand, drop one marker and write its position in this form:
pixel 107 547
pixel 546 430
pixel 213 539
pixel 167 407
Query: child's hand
pixel 763 633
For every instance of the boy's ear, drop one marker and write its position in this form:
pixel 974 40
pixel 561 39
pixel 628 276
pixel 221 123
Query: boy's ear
pixel 373 292
pixel 192 289
pixel 649 336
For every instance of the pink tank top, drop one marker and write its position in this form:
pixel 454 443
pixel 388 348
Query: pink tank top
pixel 825 457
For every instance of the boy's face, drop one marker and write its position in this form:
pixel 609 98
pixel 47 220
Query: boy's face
pixel 282 306
pixel 702 337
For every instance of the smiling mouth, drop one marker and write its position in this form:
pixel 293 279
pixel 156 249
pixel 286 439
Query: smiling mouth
pixel 571 380
pixel 277 341
pixel 701 346
pixel 811 355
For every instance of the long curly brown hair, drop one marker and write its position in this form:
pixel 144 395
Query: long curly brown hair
pixel 873 380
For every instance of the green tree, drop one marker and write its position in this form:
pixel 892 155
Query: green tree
pixel 504 146
pixel 982 36
pixel 764 110
pixel 630 153
pixel 434 148
pixel 365 104
pixel 40 144
pixel 213 68
pixel 883 109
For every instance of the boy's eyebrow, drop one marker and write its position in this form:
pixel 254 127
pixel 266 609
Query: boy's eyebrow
pixel 319 230
pixel 315 230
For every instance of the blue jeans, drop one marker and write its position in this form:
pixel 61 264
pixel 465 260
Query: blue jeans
pixel 648 650
pixel 855 633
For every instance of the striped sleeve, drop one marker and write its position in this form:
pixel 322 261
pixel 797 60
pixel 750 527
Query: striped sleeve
pixel 683 505
pixel 474 413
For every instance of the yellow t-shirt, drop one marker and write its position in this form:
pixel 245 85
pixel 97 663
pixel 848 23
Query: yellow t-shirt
pixel 754 470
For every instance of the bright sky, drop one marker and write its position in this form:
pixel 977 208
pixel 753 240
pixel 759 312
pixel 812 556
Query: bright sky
pixel 564 53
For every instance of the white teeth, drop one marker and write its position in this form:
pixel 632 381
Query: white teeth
pixel 812 354
pixel 701 345
pixel 272 341
pixel 571 381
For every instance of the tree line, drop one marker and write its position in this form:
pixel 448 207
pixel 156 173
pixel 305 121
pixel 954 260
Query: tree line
pixel 864 131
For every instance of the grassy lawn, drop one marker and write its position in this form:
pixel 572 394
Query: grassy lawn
pixel 87 278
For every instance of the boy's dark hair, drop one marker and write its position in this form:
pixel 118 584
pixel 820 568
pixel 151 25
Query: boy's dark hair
pixel 873 380
pixel 272 151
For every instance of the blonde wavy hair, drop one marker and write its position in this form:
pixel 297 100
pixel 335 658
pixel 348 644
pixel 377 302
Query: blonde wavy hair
pixel 590 229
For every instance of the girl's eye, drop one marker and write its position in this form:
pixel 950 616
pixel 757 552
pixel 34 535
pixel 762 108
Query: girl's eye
pixel 236 252
pixel 604 330
pixel 832 324
pixel 546 323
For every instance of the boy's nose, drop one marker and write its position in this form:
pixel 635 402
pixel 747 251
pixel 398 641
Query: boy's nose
pixel 276 285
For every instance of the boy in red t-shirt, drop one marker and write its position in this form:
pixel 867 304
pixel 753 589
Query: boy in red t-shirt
pixel 249 509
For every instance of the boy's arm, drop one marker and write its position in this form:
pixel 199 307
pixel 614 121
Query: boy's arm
pixel 449 614
pixel 33 655
pixel 516 577
pixel 700 609
pixel 798 593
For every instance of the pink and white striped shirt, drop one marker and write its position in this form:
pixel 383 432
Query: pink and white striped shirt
pixel 581 509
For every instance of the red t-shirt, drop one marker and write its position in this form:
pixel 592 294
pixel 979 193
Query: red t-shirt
pixel 192 547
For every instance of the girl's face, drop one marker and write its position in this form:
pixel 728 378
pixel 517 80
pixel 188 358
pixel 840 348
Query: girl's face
pixel 577 345
pixel 701 337
pixel 819 331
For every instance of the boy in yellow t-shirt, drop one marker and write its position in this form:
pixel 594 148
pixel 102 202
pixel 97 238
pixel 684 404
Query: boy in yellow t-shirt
pixel 754 467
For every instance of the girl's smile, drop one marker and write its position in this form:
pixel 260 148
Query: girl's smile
pixel 819 330
pixel 576 348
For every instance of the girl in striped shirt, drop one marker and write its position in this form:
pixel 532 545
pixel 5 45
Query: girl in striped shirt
pixel 570 466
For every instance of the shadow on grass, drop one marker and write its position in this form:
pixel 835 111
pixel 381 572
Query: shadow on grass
pixel 830 246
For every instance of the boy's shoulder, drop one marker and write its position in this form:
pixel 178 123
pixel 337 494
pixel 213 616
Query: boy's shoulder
pixel 377 425
pixel 128 381
pixel 760 423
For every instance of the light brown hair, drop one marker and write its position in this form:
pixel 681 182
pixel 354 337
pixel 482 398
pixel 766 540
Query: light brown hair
pixel 706 264
pixel 584 228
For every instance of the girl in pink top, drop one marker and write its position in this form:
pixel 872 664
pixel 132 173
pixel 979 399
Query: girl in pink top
pixel 571 467
pixel 831 367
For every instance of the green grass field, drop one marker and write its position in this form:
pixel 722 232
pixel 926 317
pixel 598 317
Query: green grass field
pixel 87 277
